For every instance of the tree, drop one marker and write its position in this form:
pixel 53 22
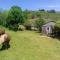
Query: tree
pixel 28 24
pixel 56 30
pixel 15 16
pixel 51 11
pixel 3 17
pixel 26 12
pixel 57 24
pixel 39 23
pixel 41 10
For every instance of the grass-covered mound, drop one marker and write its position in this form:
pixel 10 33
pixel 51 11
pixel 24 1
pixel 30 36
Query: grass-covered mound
pixel 29 45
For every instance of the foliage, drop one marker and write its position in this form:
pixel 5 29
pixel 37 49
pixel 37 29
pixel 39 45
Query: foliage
pixel 39 23
pixel 57 23
pixel 56 30
pixel 13 27
pixel 26 13
pixel 11 18
pixel 51 11
pixel 15 16
pixel 21 28
pixel 41 9
pixel 3 17
pixel 28 24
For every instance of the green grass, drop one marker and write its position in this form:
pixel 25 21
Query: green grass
pixel 29 45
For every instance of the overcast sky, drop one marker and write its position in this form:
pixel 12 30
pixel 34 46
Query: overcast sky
pixel 31 4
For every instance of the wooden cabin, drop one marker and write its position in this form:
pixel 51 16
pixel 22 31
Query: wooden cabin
pixel 47 28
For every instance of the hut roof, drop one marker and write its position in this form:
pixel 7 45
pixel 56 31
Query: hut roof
pixel 49 23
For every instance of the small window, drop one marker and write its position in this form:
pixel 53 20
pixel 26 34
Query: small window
pixel 48 28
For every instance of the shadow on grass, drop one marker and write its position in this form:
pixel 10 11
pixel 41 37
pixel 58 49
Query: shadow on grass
pixel 5 47
pixel 57 36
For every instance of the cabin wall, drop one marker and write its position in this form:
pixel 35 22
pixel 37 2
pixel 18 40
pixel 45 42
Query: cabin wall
pixel 47 30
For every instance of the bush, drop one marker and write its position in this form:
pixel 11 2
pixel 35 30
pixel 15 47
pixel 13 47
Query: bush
pixel 34 29
pixel 28 24
pixel 57 23
pixel 39 23
pixel 56 31
pixel 28 27
pixel 2 31
pixel 13 27
pixel 21 28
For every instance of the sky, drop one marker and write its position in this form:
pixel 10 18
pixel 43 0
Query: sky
pixel 31 4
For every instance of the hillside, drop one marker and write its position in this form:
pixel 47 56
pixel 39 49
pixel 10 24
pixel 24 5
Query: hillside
pixel 30 45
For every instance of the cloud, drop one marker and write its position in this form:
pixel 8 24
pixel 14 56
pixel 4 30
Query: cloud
pixel 53 6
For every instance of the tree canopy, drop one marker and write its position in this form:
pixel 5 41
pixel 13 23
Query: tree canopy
pixel 57 24
pixel 15 16
pixel 39 23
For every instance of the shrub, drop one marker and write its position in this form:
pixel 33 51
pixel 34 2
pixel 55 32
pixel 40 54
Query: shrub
pixel 13 27
pixel 56 30
pixel 21 28
pixel 28 24
pixel 39 23
pixel 28 27
pixel 57 23
pixel 34 28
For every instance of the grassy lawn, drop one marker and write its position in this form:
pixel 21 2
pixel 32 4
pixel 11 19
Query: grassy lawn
pixel 29 45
